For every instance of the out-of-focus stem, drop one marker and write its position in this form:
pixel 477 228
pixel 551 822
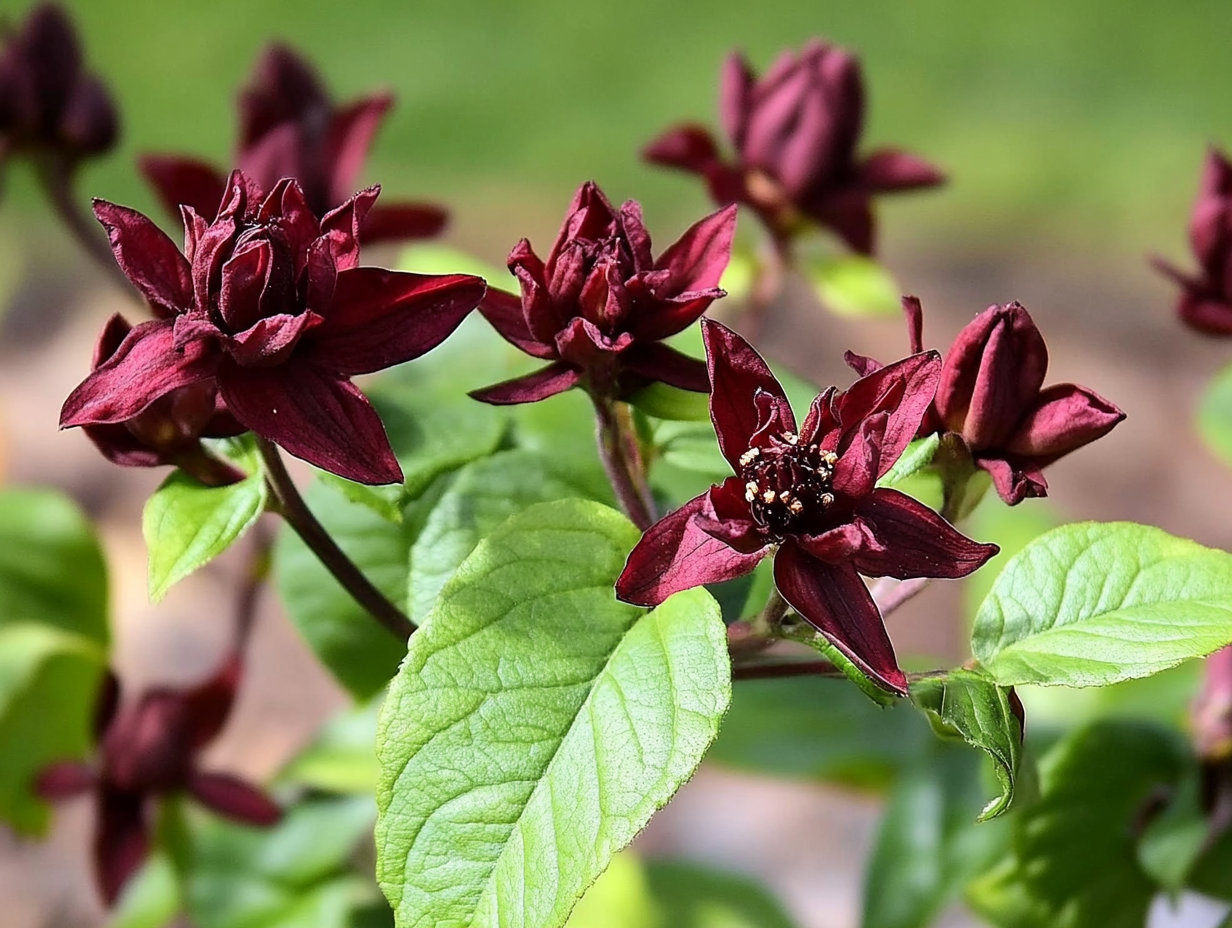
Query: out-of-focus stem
pixel 622 460
pixel 57 182
pixel 256 570
pixel 768 279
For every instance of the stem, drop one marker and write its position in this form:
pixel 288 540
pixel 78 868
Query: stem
pixel 255 572
pixel 772 264
pixel 291 506
pixel 787 669
pixel 56 178
pixel 622 460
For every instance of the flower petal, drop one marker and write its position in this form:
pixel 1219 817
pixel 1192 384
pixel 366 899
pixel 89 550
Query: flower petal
pixel 183 182
pixel 737 372
pixel 858 465
pixel 347 140
pixel 914 541
pixel 835 601
pixel 121 842
pixel 1064 418
pixel 341 227
pixel 380 318
pixel 231 797
pixel 532 387
pixel 677 553
pixel 1014 479
pixel 63 780
pixel 145 366
pixel 736 82
pixel 504 311
pixel 1205 313
pixel 688 148
pixel 888 170
pixel 699 257
pixel 402 221
pixel 208 705
pixel 657 361
pixel 904 391
pixel 148 258
pixel 284 88
pixel 314 415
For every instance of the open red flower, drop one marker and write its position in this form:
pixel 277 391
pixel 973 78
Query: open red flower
pixel 795 132
pixel 807 494
pixel 152 748
pixel 289 127
pixel 1206 299
pixel 48 103
pixel 600 305
pixel 268 303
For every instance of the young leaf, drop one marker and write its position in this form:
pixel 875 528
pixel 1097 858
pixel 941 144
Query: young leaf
pixel 1215 415
pixel 187 524
pixel 1094 603
pixel 915 457
pixel 537 723
pixel 1174 840
pixel 672 403
pixel 387 501
pixel 1073 861
pixel 485 494
pixel 694 896
pixel 969 707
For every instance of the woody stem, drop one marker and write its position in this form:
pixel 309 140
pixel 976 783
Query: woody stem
pixel 622 460
pixel 291 506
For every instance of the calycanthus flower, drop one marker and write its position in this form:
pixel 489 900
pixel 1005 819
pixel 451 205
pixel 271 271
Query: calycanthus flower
pixel 1206 298
pixel 289 127
pixel 807 495
pixel 794 132
pixel 268 304
pixel 599 306
pixel 147 749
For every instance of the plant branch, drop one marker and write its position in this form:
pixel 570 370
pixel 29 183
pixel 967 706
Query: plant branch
pixel 769 671
pixel 622 460
pixel 255 572
pixel 56 179
pixel 291 506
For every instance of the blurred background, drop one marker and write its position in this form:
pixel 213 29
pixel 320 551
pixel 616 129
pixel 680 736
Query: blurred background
pixel 1073 133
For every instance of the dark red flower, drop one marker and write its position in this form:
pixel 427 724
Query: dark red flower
pixel 48 103
pixel 289 127
pixel 808 496
pixel 268 304
pixel 598 308
pixel 795 132
pixel 1206 299
pixel 990 394
pixel 1211 716
pixel 152 748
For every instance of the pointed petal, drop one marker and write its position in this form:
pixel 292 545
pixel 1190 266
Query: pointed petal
pixel 231 797
pixel 284 88
pixel 400 222
pixel 63 780
pixel 148 258
pixel 726 517
pixel 657 361
pixel 315 416
pixel 676 553
pixel 281 152
pixel 504 311
pixel 737 372
pixel 736 81
pixel 1064 418
pixel 850 216
pixel 144 367
pixel 699 257
pixel 1208 224
pixel 914 541
pixel 380 318
pixel 858 465
pixel 860 364
pixel 208 705
pixel 688 148
pixel 904 391
pixel 1209 315
pixel 835 601
pixel 1014 479
pixel 341 227
pixel 121 842
pixel 530 388
pixel 347 140
pixel 914 312
pixel 889 170
pixel 183 182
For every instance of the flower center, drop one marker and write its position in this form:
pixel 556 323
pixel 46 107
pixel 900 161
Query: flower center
pixel 787 484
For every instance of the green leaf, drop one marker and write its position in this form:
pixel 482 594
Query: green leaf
pixel 341 759
pixel 537 723
pixel 48 682
pixel 796 629
pixel 187 524
pixel 1095 603
pixel 361 654
pixel 915 457
pixel 151 899
pixel 51 565
pixel 666 402
pixel 484 494
pixel 1174 840
pixel 969 707
pixel 1073 862
pixel 620 897
pixel 387 501
pixel 817 729
pixel 694 896
pixel 855 285
pixel 1215 415
pixel 928 845
pixel 1011 528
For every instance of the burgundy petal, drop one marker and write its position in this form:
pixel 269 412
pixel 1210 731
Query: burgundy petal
pixel 208 705
pixel 1208 232
pixel 861 364
pixel 341 226
pixel 284 88
pixel 914 541
pixel 64 780
pixel 148 258
pixel 315 416
pixel 504 311
pixel 347 140
pixel 1064 418
pixel 736 81
pixel 849 214
pixel 858 464
pixel 400 222
pixel 904 390
pixel 737 372
pixel 677 553
pixel 889 169
pixel 380 318
pixel 1014 480
pixel 835 601
pixel 144 367
pixel 689 148
pixel 121 842
pixel 231 797
pixel 726 516
pixel 183 182
pixel 530 388
pixel 657 361
pixel 839 544
pixel 915 323
pixel 1207 314
pixel 271 340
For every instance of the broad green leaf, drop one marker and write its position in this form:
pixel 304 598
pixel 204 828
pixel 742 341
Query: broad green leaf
pixel 1215 415
pixel 666 402
pixel 51 565
pixel 485 493
pixel 620 897
pixel 967 706
pixel 1011 528
pixel 928 844
pixel 1073 861
pixel 48 682
pixel 151 899
pixel 854 285
pixel 1175 838
pixel 694 896
pixel 561 427
pixel 187 524
pixel 387 501
pixel 1211 875
pixel 537 723
pixel 361 654
pixel 915 457
pixel 817 729
pixel 1164 698
pixel 342 757
pixel 1094 603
